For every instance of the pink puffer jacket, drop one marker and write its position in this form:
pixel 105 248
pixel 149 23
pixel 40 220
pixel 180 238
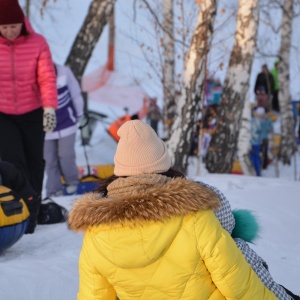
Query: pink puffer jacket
pixel 27 74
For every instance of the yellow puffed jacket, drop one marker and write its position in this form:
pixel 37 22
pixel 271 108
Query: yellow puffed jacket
pixel 159 241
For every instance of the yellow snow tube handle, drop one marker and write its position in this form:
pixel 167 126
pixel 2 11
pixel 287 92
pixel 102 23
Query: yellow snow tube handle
pixel 13 210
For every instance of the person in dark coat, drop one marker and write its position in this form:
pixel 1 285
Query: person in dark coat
pixel 264 80
pixel 154 114
pixel 13 179
pixel 264 88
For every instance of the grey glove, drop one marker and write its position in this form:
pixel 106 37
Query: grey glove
pixel 49 121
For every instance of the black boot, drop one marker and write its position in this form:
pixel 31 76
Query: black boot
pixel 31 225
pixel 33 205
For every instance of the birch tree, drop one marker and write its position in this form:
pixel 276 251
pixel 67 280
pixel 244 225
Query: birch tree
pixel 223 145
pixel 27 8
pixel 244 145
pixel 88 36
pixel 169 64
pixel 288 145
pixel 193 79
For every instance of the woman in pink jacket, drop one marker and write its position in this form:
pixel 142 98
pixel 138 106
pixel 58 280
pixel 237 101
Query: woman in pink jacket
pixel 28 96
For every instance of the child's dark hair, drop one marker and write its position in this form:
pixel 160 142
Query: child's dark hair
pixel 102 188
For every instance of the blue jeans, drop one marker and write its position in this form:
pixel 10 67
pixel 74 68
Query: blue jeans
pixel 255 158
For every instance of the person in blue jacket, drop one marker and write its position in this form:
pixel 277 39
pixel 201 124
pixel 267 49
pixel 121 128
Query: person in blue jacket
pixel 256 140
pixel 266 130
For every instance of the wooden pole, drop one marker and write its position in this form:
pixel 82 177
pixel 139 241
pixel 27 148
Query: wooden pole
pixel 111 42
pixel 27 9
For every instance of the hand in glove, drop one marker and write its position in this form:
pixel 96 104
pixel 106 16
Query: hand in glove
pixel 49 120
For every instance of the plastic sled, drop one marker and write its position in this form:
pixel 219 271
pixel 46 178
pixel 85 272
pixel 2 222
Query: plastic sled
pixel 274 144
pixel 273 116
pixel 90 177
pixel 82 187
pixel 113 128
pixel 236 168
pixel 14 216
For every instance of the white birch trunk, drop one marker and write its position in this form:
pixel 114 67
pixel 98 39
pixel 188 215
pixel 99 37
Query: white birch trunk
pixel 169 65
pixel 223 146
pixel 244 145
pixel 193 80
pixel 288 145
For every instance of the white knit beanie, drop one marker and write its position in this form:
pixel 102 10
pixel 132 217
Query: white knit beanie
pixel 140 151
pixel 260 111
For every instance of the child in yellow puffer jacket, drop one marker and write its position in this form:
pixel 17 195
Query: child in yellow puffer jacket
pixel 151 234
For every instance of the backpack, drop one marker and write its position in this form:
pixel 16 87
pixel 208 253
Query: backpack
pixel 51 212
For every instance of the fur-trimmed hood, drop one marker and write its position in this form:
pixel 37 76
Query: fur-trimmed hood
pixel 157 238
pixel 155 203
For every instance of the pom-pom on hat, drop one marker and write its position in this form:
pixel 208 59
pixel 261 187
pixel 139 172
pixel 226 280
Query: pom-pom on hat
pixel 10 12
pixel 140 151
pixel 260 111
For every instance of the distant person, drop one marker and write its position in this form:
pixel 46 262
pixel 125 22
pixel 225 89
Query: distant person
pixel 151 234
pixel 216 90
pixel 275 100
pixel 267 129
pixel 28 96
pixel 264 88
pixel 209 127
pixel 256 139
pixel 210 118
pixel 59 150
pixel 139 115
pixel 13 179
pixel 154 114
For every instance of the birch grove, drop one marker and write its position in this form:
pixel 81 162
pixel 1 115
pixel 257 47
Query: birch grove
pixel 288 145
pixel 193 78
pixel 223 146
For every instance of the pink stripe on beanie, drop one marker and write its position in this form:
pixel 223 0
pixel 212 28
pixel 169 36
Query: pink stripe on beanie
pixel 140 151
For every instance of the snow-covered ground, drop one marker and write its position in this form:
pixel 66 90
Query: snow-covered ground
pixel 43 266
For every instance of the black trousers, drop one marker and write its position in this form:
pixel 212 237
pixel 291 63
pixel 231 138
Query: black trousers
pixel 275 102
pixel 154 124
pixel 22 144
pixel 264 152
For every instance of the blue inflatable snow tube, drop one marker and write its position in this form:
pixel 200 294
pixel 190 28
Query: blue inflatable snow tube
pixel 9 235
